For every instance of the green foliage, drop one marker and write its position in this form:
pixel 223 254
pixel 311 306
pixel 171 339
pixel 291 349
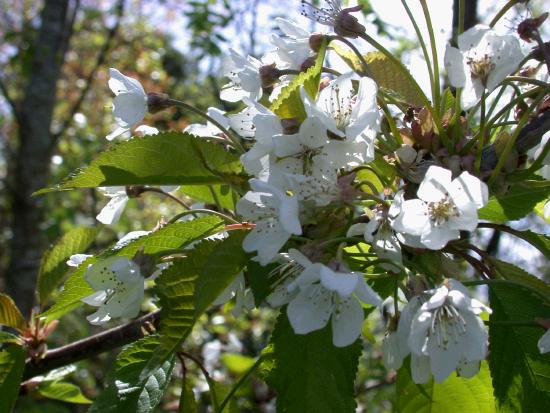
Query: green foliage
pixel 10 315
pixel 385 73
pixel 166 239
pixel 289 102
pixel 521 375
pixel 309 374
pixel 66 392
pixel 455 394
pixel 237 364
pixel 128 391
pixel 221 195
pixel 187 403
pixel 188 287
pixel 170 158
pixel 54 267
pixel 516 203
pixel 257 277
pixel 12 362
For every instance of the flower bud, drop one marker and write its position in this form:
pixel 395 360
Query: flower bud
pixel 157 102
pixel 315 41
pixel 347 25
pixel 134 191
pixel 290 126
pixel 528 29
pixel 269 75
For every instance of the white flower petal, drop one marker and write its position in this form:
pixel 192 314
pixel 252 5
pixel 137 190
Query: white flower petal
pixel 310 310
pixel 110 214
pixel 347 321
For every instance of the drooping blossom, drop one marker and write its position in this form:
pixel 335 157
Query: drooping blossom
pixel 119 289
pixel 129 104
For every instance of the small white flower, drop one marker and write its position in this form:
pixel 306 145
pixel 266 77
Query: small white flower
pixel 447 329
pixel 443 208
pixel 110 213
pixel 119 289
pixel 276 216
pixel 328 294
pixel 544 342
pixel 293 49
pixel 481 62
pixel 145 130
pixel 129 104
pixel 244 76
pixel 244 298
pixel 349 115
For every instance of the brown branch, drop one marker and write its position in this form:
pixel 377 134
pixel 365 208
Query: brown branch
pixel 89 79
pixel 90 346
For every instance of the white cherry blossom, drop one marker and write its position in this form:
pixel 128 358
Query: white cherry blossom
pixel 544 342
pixel 244 78
pixel 209 129
pixel 443 208
pixel 324 294
pixel 111 213
pixel 129 104
pixel 119 289
pixel 276 216
pixel 447 334
pixel 292 49
pixel 483 59
pixel 346 114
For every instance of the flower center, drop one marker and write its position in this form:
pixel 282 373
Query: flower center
pixel 481 67
pixel 447 325
pixel 441 211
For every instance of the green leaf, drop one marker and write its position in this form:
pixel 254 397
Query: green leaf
pixel 455 394
pixel 521 375
pixel 66 392
pixel 10 315
pixel 187 404
pixel 127 390
pixel 308 372
pixel 520 200
pixel 12 363
pixel 168 238
pixel 385 72
pixel 53 266
pixel 257 277
pixel 7 338
pixel 189 286
pixel 289 102
pixel 170 158
pixel 221 195
pixel 237 363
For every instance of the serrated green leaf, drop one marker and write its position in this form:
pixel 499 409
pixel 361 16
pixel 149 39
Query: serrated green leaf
pixel 221 195
pixel 168 238
pixel 127 390
pixel 7 338
pixel 521 375
pixel 169 158
pixel 308 372
pixel 455 394
pixel 189 286
pixel 10 315
pixel 257 277
pixel 385 73
pixel 520 200
pixel 521 277
pixel 66 392
pixel 289 102
pixel 53 266
pixel 12 363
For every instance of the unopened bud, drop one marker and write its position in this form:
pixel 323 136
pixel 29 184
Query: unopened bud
pixel 290 126
pixel 315 41
pixel 134 191
pixel 528 28
pixel 269 75
pixel 347 25
pixel 157 102
pixel 308 63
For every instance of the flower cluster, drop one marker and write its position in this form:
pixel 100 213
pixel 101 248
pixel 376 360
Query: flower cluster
pixel 346 188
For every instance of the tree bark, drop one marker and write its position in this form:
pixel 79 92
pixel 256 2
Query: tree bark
pixel 32 159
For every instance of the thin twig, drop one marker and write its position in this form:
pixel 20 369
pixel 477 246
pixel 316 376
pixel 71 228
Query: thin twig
pixel 90 346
